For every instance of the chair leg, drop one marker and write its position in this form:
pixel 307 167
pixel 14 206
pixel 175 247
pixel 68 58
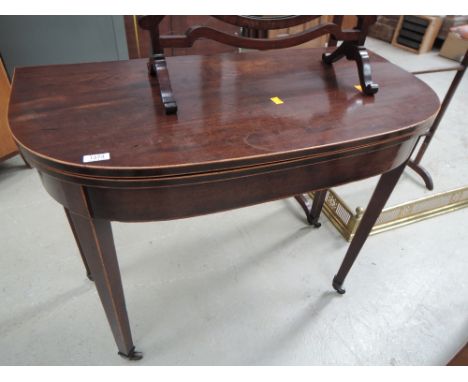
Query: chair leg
pixel 317 206
pixel 313 214
pixel 423 173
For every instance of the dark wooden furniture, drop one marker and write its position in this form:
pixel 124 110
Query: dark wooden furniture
pixel 415 164
pixel 229 146
pixel 352 47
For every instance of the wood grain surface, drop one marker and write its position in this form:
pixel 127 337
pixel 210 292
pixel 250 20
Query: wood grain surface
pixel 225 120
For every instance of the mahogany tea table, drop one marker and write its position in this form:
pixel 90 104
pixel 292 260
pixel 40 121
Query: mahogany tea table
pixel 105 149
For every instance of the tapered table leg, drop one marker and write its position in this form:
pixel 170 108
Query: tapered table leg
pixel 72 226
pixel 380 196
pixel 96 243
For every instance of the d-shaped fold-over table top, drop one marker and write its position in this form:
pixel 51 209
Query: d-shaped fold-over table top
pixel 226 118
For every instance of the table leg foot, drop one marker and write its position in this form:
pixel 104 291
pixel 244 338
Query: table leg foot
pixel 313 221
pixel 132 355
pixel 337 285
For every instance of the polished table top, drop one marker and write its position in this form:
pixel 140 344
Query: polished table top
pixel 225 119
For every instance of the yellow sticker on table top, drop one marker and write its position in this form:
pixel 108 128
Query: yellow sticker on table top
pixel 277 100
pixel 358 87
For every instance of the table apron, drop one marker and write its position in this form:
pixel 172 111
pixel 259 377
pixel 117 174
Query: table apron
pixel 134 204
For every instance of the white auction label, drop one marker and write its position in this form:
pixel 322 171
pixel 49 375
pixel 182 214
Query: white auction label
pixel 96 157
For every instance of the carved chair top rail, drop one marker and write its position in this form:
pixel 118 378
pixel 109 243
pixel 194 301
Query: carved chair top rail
pixel 266 22
pixel 196 32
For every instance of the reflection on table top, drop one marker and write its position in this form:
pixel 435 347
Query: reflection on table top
pixel 226 117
